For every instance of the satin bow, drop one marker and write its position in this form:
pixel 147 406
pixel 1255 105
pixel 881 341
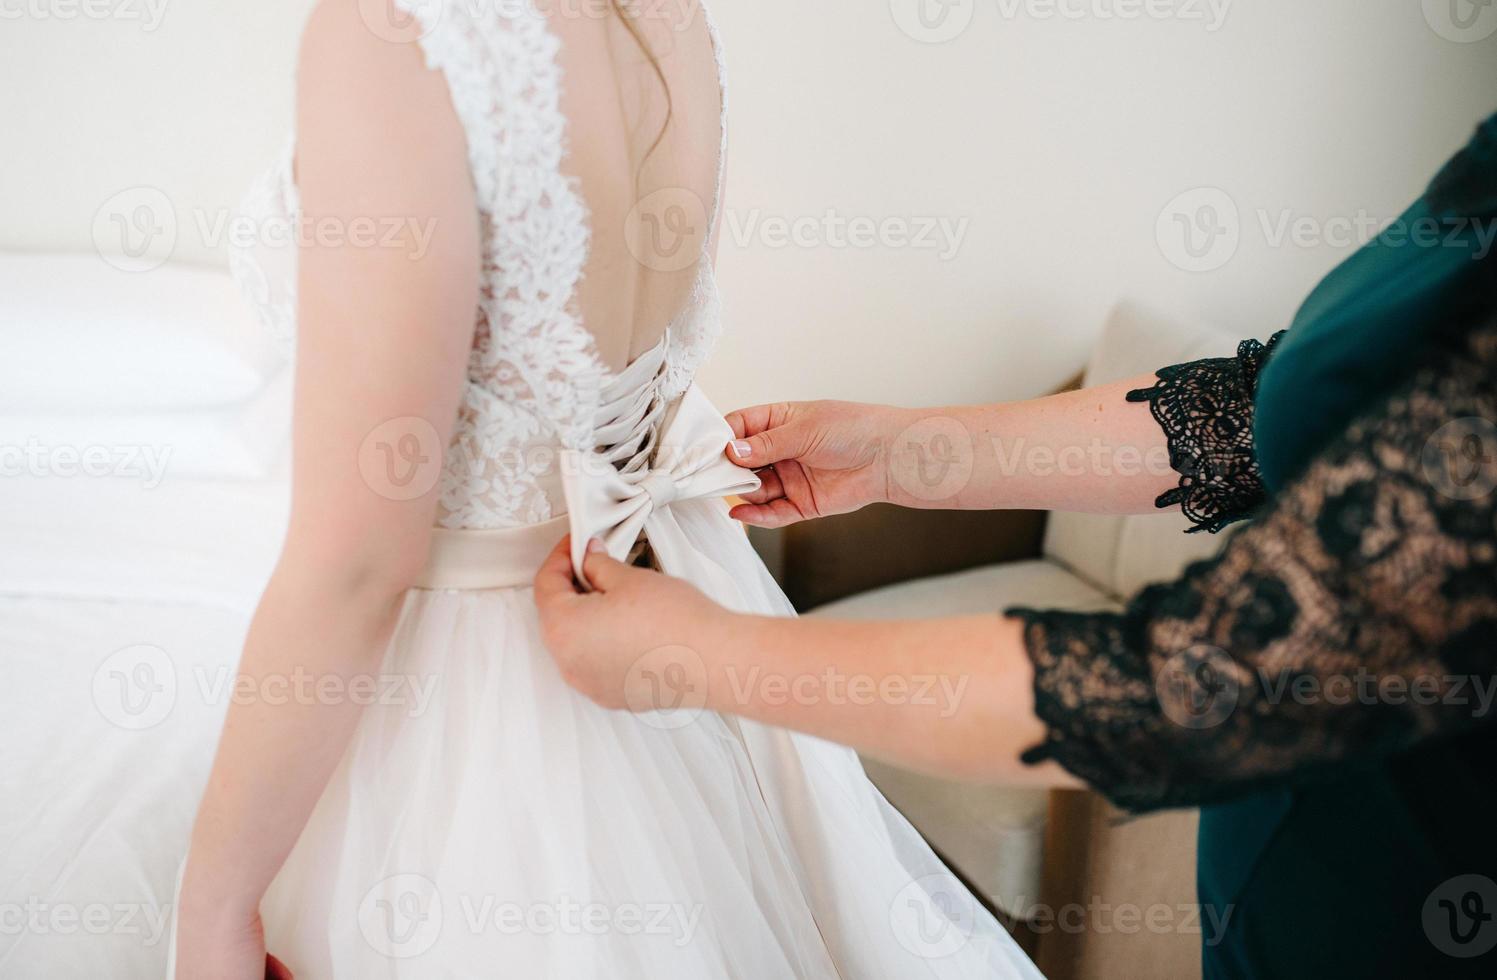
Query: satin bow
pixel 688 470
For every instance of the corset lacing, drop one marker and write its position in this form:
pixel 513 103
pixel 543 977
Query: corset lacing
pixel 628 424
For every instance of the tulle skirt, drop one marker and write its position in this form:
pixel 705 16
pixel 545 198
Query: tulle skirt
pixel 488 821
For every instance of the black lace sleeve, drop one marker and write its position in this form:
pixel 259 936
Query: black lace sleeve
pixel 1354 618
pixel 1206 410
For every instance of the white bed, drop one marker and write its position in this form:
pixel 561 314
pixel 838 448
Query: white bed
pixel 124 595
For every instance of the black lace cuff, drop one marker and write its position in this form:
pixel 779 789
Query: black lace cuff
pixel 1206 411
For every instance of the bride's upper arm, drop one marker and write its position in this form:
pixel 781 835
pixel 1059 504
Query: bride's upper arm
pixel 387 287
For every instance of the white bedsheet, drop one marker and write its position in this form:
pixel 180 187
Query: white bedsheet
pixel 122 614
pixel 95 811
pixel 206 542
pixel 124 597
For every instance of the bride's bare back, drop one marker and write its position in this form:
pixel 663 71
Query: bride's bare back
pixel 644 117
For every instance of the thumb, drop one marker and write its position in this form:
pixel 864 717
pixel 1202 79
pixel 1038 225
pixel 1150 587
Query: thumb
pixel 603 572
pixel 784 442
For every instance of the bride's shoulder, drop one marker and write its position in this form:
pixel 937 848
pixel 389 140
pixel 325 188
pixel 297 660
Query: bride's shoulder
pixel 363 82
pixel 376 134
pixel 347 41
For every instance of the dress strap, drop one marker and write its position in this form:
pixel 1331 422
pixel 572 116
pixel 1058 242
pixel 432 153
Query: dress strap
pixel 722 88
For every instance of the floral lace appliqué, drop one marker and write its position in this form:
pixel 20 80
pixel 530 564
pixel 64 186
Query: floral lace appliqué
pixel 1206 410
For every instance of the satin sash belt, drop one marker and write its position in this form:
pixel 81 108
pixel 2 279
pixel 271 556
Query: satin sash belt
pixel 503 558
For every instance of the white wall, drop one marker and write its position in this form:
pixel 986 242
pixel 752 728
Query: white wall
pixel 1061 140
pixel 1058 140
pixel 192 97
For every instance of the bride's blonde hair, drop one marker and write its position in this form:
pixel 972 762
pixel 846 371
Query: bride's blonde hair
pixel 626 17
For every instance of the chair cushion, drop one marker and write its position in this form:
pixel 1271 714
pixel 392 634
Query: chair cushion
pixel 991 588
pixel 1123 554
pixel 993 835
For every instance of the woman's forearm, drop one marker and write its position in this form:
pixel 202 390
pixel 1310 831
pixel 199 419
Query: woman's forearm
pixel 950 696
pixel 1090 450
pixel 316 639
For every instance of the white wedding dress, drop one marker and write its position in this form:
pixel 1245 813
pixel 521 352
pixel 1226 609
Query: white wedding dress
pixel 508 827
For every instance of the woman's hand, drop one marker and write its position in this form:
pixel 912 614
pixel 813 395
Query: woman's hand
pixel 948 696
pixel 634 642
pixel 816 459
pixel 1091 451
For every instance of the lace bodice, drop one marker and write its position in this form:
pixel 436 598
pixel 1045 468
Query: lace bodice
pixel 535 378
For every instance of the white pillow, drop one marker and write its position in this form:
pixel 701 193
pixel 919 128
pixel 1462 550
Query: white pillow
pixel 244 441
pixel 81 336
